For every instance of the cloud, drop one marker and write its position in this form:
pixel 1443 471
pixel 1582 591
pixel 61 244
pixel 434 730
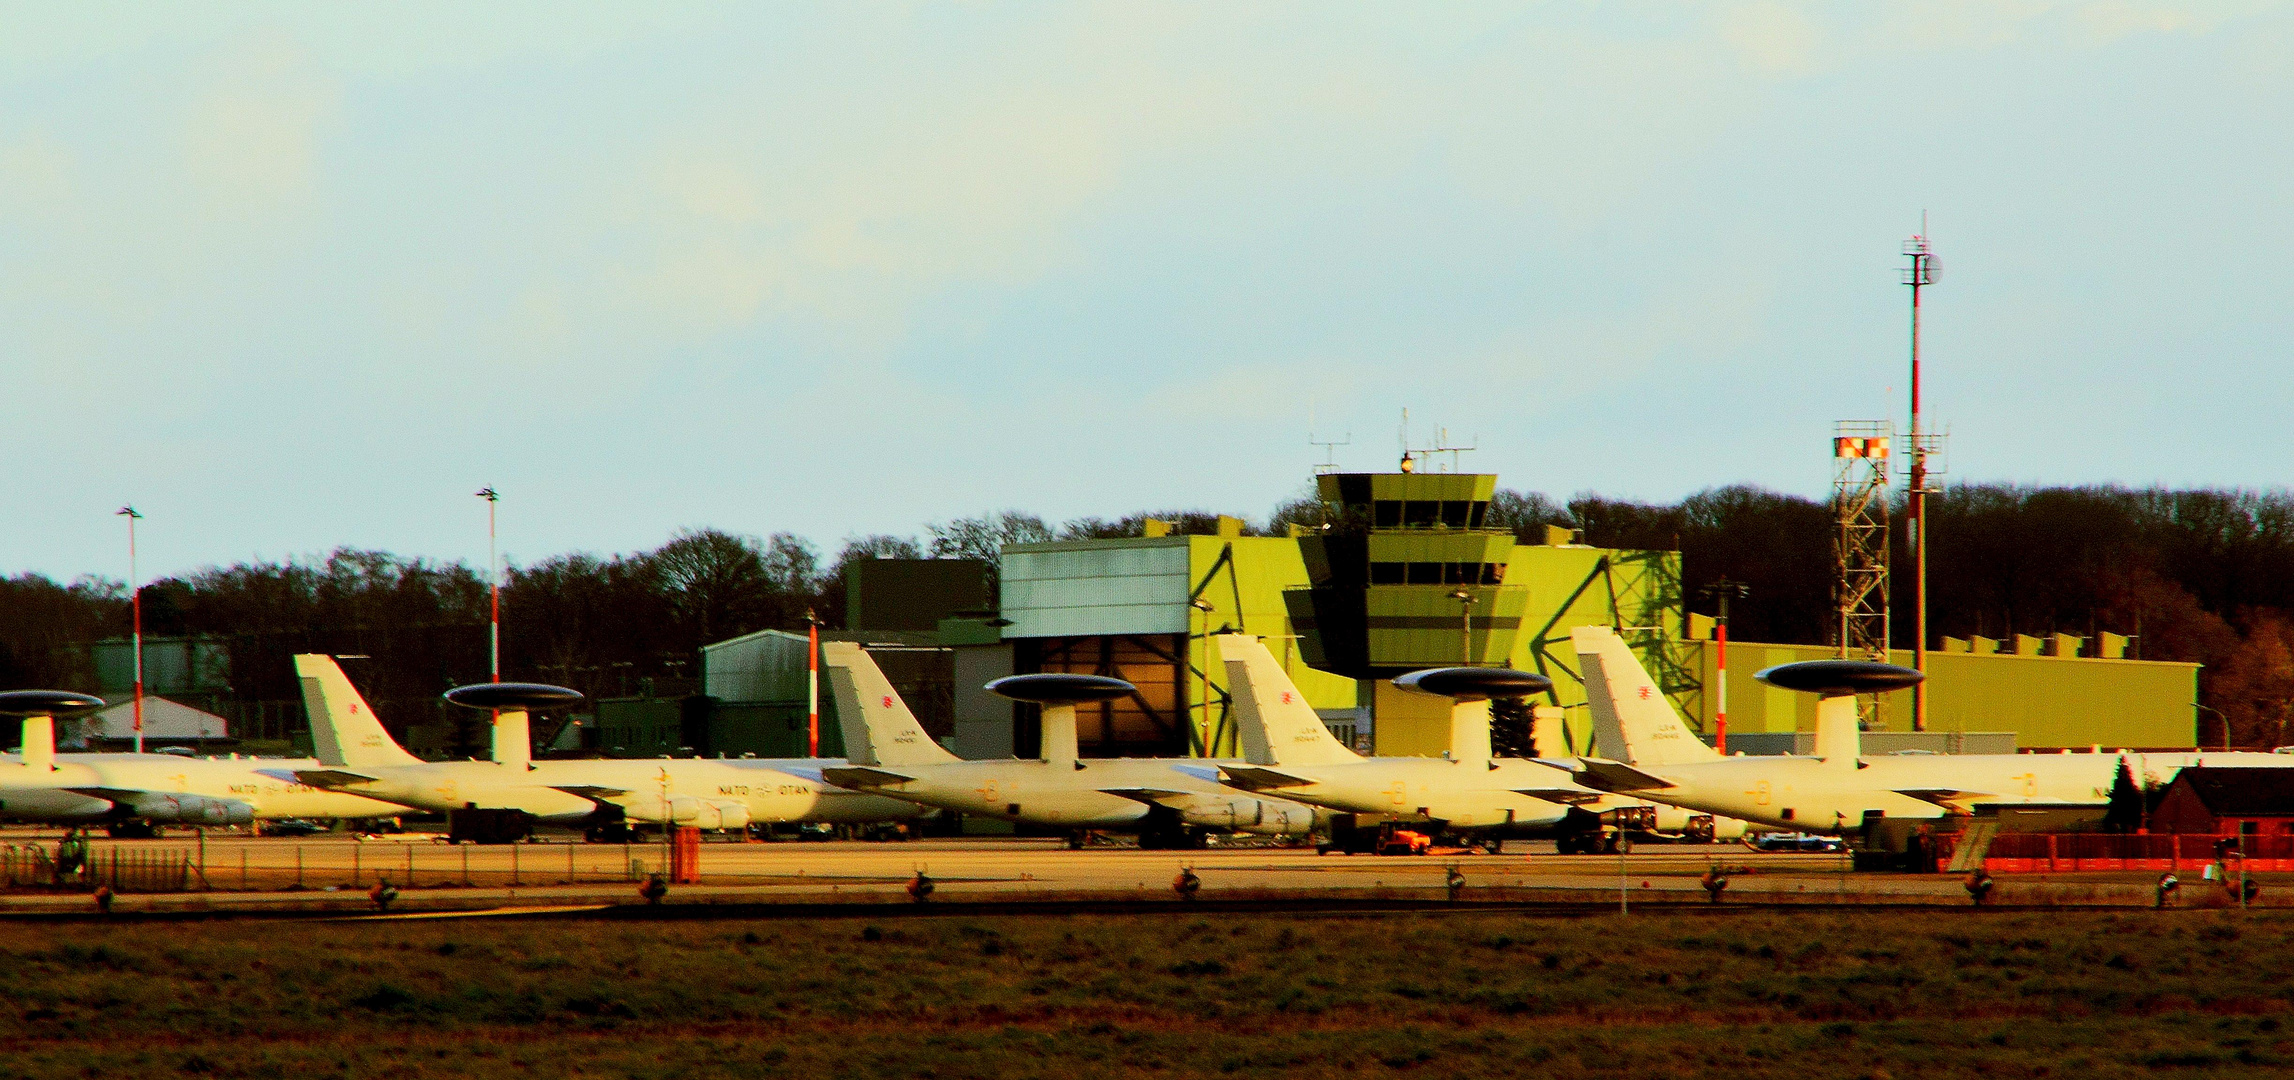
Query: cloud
pixel 250 129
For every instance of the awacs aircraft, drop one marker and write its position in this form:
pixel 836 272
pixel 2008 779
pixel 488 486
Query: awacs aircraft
pixel 129 793
pixel 357 755
pixel 1170 803
pixel 1838 789
pixel 1288 750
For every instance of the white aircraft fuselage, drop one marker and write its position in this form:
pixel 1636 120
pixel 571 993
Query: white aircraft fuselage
pixel 710 793
pixel 1082 794
pixel 1812 794
pixel 1838 788
pixel 1466 795
pixel 169 789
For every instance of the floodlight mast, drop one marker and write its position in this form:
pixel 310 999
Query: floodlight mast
pixel 493 589
pixel 135 604
pixel 1918 275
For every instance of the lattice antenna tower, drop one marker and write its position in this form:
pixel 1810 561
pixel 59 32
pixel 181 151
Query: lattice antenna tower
pixel 1860 538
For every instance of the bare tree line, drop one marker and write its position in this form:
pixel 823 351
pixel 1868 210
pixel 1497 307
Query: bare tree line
pixel 2197 575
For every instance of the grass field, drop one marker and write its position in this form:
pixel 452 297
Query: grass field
pixel 2180 993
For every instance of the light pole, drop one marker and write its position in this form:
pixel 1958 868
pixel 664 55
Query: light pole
pixel 1722 590
pixel 1466 604
pixel 135 605
pixel 2217 715
pixel 494 590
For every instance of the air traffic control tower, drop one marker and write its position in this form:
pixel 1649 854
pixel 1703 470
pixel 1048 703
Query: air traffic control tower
pixel 1403 576
pixel 1404 573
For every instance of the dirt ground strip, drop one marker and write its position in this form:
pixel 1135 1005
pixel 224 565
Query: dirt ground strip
pixel 1695 991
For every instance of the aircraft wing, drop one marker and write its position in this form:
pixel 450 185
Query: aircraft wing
pixel 801 772
pixel 1617 776
pixel 1148 795
pixel 1259 778
pixel 112 794
pixel 591 792
pixel 328 778
pixel 1948 798
pixel 863 776
pixel 1567 795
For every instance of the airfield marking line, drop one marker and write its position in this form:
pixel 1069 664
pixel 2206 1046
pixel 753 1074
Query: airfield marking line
pixel 476 913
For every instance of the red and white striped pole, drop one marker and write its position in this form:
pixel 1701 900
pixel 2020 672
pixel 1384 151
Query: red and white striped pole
pixel 1720 715
pixel 135 603
pixel 1722 590
pixel 812 683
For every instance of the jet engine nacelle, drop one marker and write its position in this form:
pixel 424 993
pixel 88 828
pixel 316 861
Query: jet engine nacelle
pixel 687 810
pixel 1674 821
pixel 1245 815
pixel 726 813
pixel 168 809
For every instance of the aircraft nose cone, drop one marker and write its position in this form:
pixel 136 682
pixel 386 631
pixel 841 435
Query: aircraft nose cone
pixel 1475 683
pixel 1051 687
pixel 1836 677
pixel 513 695
pixel 46 703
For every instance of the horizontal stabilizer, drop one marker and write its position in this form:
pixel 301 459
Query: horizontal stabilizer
pixel 591 792
pixel 331 778
pixel 1148 795
pixel 1566 795
pixel 861 776
pixel 1944 797
pixel 1260 778
pixel 1616 776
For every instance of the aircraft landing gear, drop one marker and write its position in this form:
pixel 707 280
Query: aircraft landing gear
pixel 1175 840
pixel 1592 843
pixel 132 830
pixel 1494 845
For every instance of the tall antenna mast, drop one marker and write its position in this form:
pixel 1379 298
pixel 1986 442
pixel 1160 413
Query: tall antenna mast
pixel 1918 275
pixel 1329 463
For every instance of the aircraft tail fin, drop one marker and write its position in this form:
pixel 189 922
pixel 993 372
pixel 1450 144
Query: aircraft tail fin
pixel 1632 720
pixel 344 729
pixel 1277 726
pixel 878 728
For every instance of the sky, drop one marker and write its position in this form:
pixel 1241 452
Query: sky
pixel 293 277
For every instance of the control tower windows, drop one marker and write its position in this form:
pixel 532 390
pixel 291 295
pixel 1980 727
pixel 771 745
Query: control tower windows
pixel 1437 573
pixel 1427 514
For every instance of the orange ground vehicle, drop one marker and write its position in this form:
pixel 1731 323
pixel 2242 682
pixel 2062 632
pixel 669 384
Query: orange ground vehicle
pixel 1404 842
pixel 1385 838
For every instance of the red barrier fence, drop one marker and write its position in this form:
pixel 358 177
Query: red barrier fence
pixel 2026 853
